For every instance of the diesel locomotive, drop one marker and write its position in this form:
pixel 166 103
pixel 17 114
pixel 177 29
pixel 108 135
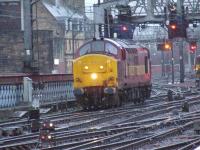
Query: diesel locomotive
pixel 108 72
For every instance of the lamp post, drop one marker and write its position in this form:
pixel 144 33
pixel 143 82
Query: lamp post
pixel 29 64
pixel 172 61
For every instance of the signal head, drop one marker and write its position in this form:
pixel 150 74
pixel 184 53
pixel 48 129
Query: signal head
pixel 193 46
pixel 173 26
pixel 124 28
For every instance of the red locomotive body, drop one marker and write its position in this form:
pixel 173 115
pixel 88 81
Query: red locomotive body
pixel 134 71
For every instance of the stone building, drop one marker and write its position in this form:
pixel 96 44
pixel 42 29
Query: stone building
pixel 66 19
pixel 61 21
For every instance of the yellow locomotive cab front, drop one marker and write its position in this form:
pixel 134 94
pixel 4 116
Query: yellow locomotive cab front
pixel 95 70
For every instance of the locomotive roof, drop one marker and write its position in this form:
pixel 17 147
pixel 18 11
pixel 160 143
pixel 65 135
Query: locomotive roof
pixel 125 43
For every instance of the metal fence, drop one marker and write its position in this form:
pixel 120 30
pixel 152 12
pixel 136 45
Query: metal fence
pixel 10 95
pixel 55 88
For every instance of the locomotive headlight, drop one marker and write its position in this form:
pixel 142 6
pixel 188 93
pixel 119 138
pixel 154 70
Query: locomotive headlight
pixel 86 67
pixel 101 67
pixel 94 76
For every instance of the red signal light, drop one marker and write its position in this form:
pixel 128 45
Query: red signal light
pixel 173 26
pixel 193 47
pixel 124 28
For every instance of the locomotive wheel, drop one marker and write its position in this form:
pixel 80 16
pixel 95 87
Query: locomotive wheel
pixel 117 100
pixel 148 91
pixel 134 95
pixel 137 99
pixel 142 95
pixel 105 102
pixel 85 104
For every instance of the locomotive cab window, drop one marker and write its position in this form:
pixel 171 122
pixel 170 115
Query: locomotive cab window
pixel 110 48
pixel 85 49
pixel 98 46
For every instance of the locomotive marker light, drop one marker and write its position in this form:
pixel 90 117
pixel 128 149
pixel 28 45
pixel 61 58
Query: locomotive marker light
pixel 94 76
pixel 86 67
pixel 101 67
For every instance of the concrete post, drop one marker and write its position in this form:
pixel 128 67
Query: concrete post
pixel 163 63
pixel 172 61
pixel 27 94
pixel 181 57
pixel 182 67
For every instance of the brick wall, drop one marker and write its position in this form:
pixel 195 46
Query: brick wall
pixel 12 52
pixel 10 13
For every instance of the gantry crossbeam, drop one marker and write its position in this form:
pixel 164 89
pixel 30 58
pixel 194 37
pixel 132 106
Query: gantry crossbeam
pixel 151 11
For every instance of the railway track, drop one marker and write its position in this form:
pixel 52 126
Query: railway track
pixel 118 128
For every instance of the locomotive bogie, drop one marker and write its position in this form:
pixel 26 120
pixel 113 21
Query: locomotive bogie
pixel 98 97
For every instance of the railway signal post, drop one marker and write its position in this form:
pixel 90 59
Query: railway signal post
pixel 46 138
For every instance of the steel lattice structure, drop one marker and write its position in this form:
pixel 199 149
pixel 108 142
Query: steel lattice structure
pixel 150 11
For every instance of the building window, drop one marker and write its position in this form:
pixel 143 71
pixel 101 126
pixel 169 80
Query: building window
pixel 68 25
pixel 13 4
pixel 70 45
pixel 81 26
pixel 75 26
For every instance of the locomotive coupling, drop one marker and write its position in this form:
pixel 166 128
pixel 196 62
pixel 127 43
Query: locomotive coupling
pixel 78 92
pixel 110 90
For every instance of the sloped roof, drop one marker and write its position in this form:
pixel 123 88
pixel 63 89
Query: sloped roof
pixel 61 13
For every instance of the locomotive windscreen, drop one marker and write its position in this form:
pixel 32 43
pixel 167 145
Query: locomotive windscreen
pixel 98 46
pixel 85 49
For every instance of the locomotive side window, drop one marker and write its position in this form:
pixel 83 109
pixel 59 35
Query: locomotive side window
pixel 85 49
pixel 110 48
pixel 98 46
pixel 146 64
